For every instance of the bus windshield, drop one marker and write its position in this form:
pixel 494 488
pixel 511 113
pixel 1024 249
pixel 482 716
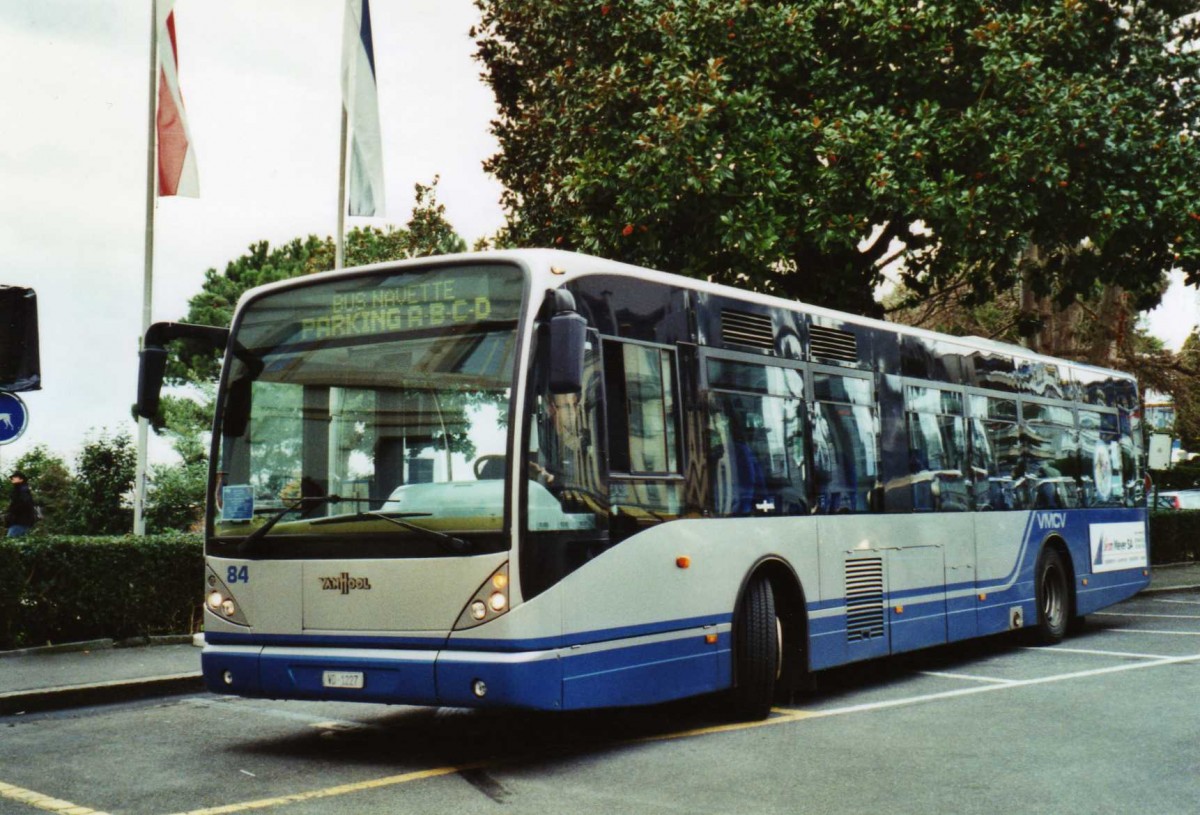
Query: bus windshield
pixel 370 408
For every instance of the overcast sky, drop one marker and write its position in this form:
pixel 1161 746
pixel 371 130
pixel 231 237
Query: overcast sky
pixel 261 84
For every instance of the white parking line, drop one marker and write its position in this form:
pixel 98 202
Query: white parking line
pixel 1156 616
pixel 968 677
pixel 1152 631
pixel 1016 683
pixel 1176 602
pixel 1092 652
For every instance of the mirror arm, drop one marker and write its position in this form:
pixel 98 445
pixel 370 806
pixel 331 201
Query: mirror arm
pixel 153 358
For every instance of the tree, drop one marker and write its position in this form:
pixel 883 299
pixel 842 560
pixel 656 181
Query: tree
pixel 175 499
pixel 51 483
pixel 798 147
pixel 1186 393
pixel 104 471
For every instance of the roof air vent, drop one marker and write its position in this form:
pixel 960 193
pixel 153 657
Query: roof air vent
pixel 747 330
pixel 833 344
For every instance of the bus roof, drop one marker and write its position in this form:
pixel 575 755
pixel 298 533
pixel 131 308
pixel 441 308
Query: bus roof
pixel 550 268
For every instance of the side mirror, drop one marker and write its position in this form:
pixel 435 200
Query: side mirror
pixel 568 338
pixel 150 379
pixel 20 365
pixel 153 358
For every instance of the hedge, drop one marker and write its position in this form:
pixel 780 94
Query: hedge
pixel 57 588
pixel 1174 536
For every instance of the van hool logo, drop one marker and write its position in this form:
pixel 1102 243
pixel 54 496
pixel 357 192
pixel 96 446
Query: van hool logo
pixel 345 583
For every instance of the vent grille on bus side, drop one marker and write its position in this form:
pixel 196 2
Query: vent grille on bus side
pixel 864 599
pixel 832 343
pixel 748 330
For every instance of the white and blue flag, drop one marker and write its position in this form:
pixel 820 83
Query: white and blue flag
pixel 362 112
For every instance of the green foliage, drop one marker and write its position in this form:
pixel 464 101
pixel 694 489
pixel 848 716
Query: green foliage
pixel 1187 394
pixel 104 473
pixel 66 589
pixel 792 147
pixel 1174 536
pixel 50 481
pixel 1181 476
pixel 175 497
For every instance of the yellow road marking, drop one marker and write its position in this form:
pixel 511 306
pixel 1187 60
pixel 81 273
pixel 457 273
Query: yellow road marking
pixel 783 716
pixel 330 792
pixel 36 799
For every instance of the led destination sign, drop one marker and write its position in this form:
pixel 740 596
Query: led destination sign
pixel 381 305
pixel 428 304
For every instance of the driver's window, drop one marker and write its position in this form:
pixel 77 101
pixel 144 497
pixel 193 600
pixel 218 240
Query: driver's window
pixel 567 489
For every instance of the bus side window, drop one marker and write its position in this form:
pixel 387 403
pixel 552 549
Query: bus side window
pixel 643 411
pixel 756 455
pixel 997 469
pixel 1050 453
pixel 1101 467
pixel 937 450
pixel 845 444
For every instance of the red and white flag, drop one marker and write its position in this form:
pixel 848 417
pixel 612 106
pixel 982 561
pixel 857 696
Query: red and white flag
pixel 362 111
pixel 176 157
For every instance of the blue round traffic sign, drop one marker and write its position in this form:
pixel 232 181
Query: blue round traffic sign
pixel 13 417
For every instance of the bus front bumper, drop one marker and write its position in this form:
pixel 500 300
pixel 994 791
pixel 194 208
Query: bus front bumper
pixel 410 677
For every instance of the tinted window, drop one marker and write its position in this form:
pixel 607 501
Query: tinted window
pixel 845 457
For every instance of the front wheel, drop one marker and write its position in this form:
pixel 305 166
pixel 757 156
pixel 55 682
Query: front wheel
pixel 757 651
pixel 1053 598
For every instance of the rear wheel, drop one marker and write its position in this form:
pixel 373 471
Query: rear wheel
pixel 757 651
pixel 1053 598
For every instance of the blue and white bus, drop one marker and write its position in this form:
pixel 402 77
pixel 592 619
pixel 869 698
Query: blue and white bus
pixel 545 480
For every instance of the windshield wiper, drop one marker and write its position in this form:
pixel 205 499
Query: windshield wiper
pixel 447 541
pixel 246 547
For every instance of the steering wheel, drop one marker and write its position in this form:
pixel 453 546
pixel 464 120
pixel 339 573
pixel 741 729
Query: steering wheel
pixel 482 463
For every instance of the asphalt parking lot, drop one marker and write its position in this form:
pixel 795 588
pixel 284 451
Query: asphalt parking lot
pixel 1105 722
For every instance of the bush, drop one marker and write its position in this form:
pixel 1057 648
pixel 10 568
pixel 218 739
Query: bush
pixel 1183 476
pixel 66 589
pixel 1174 536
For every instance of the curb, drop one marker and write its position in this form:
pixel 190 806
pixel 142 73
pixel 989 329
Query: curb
pixel 106 644
pixel 15 703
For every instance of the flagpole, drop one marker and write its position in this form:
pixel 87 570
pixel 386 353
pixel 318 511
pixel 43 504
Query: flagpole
pixel 339 255
pixel 139 479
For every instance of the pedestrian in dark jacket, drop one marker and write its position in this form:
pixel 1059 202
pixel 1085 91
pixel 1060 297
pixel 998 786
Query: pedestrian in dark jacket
pixel 22 514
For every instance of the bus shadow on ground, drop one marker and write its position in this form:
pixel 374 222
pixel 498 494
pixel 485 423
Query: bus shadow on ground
pixel 436 737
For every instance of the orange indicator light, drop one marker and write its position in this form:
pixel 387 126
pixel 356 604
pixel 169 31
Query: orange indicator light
pixel 983 597
pixel 899 609
pixel 683 561
pixel 711 639
pixel 1085 581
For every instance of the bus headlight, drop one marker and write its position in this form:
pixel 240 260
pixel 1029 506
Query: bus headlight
pixel 488 603
pixel 220 601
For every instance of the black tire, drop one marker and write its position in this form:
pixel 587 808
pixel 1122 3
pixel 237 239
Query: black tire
pixel 1053 598
pixel 756 652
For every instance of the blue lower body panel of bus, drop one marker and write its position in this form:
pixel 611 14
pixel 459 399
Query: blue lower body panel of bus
pixel 609 674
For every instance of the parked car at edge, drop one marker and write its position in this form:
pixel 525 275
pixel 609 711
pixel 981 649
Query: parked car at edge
pixel 1181 499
